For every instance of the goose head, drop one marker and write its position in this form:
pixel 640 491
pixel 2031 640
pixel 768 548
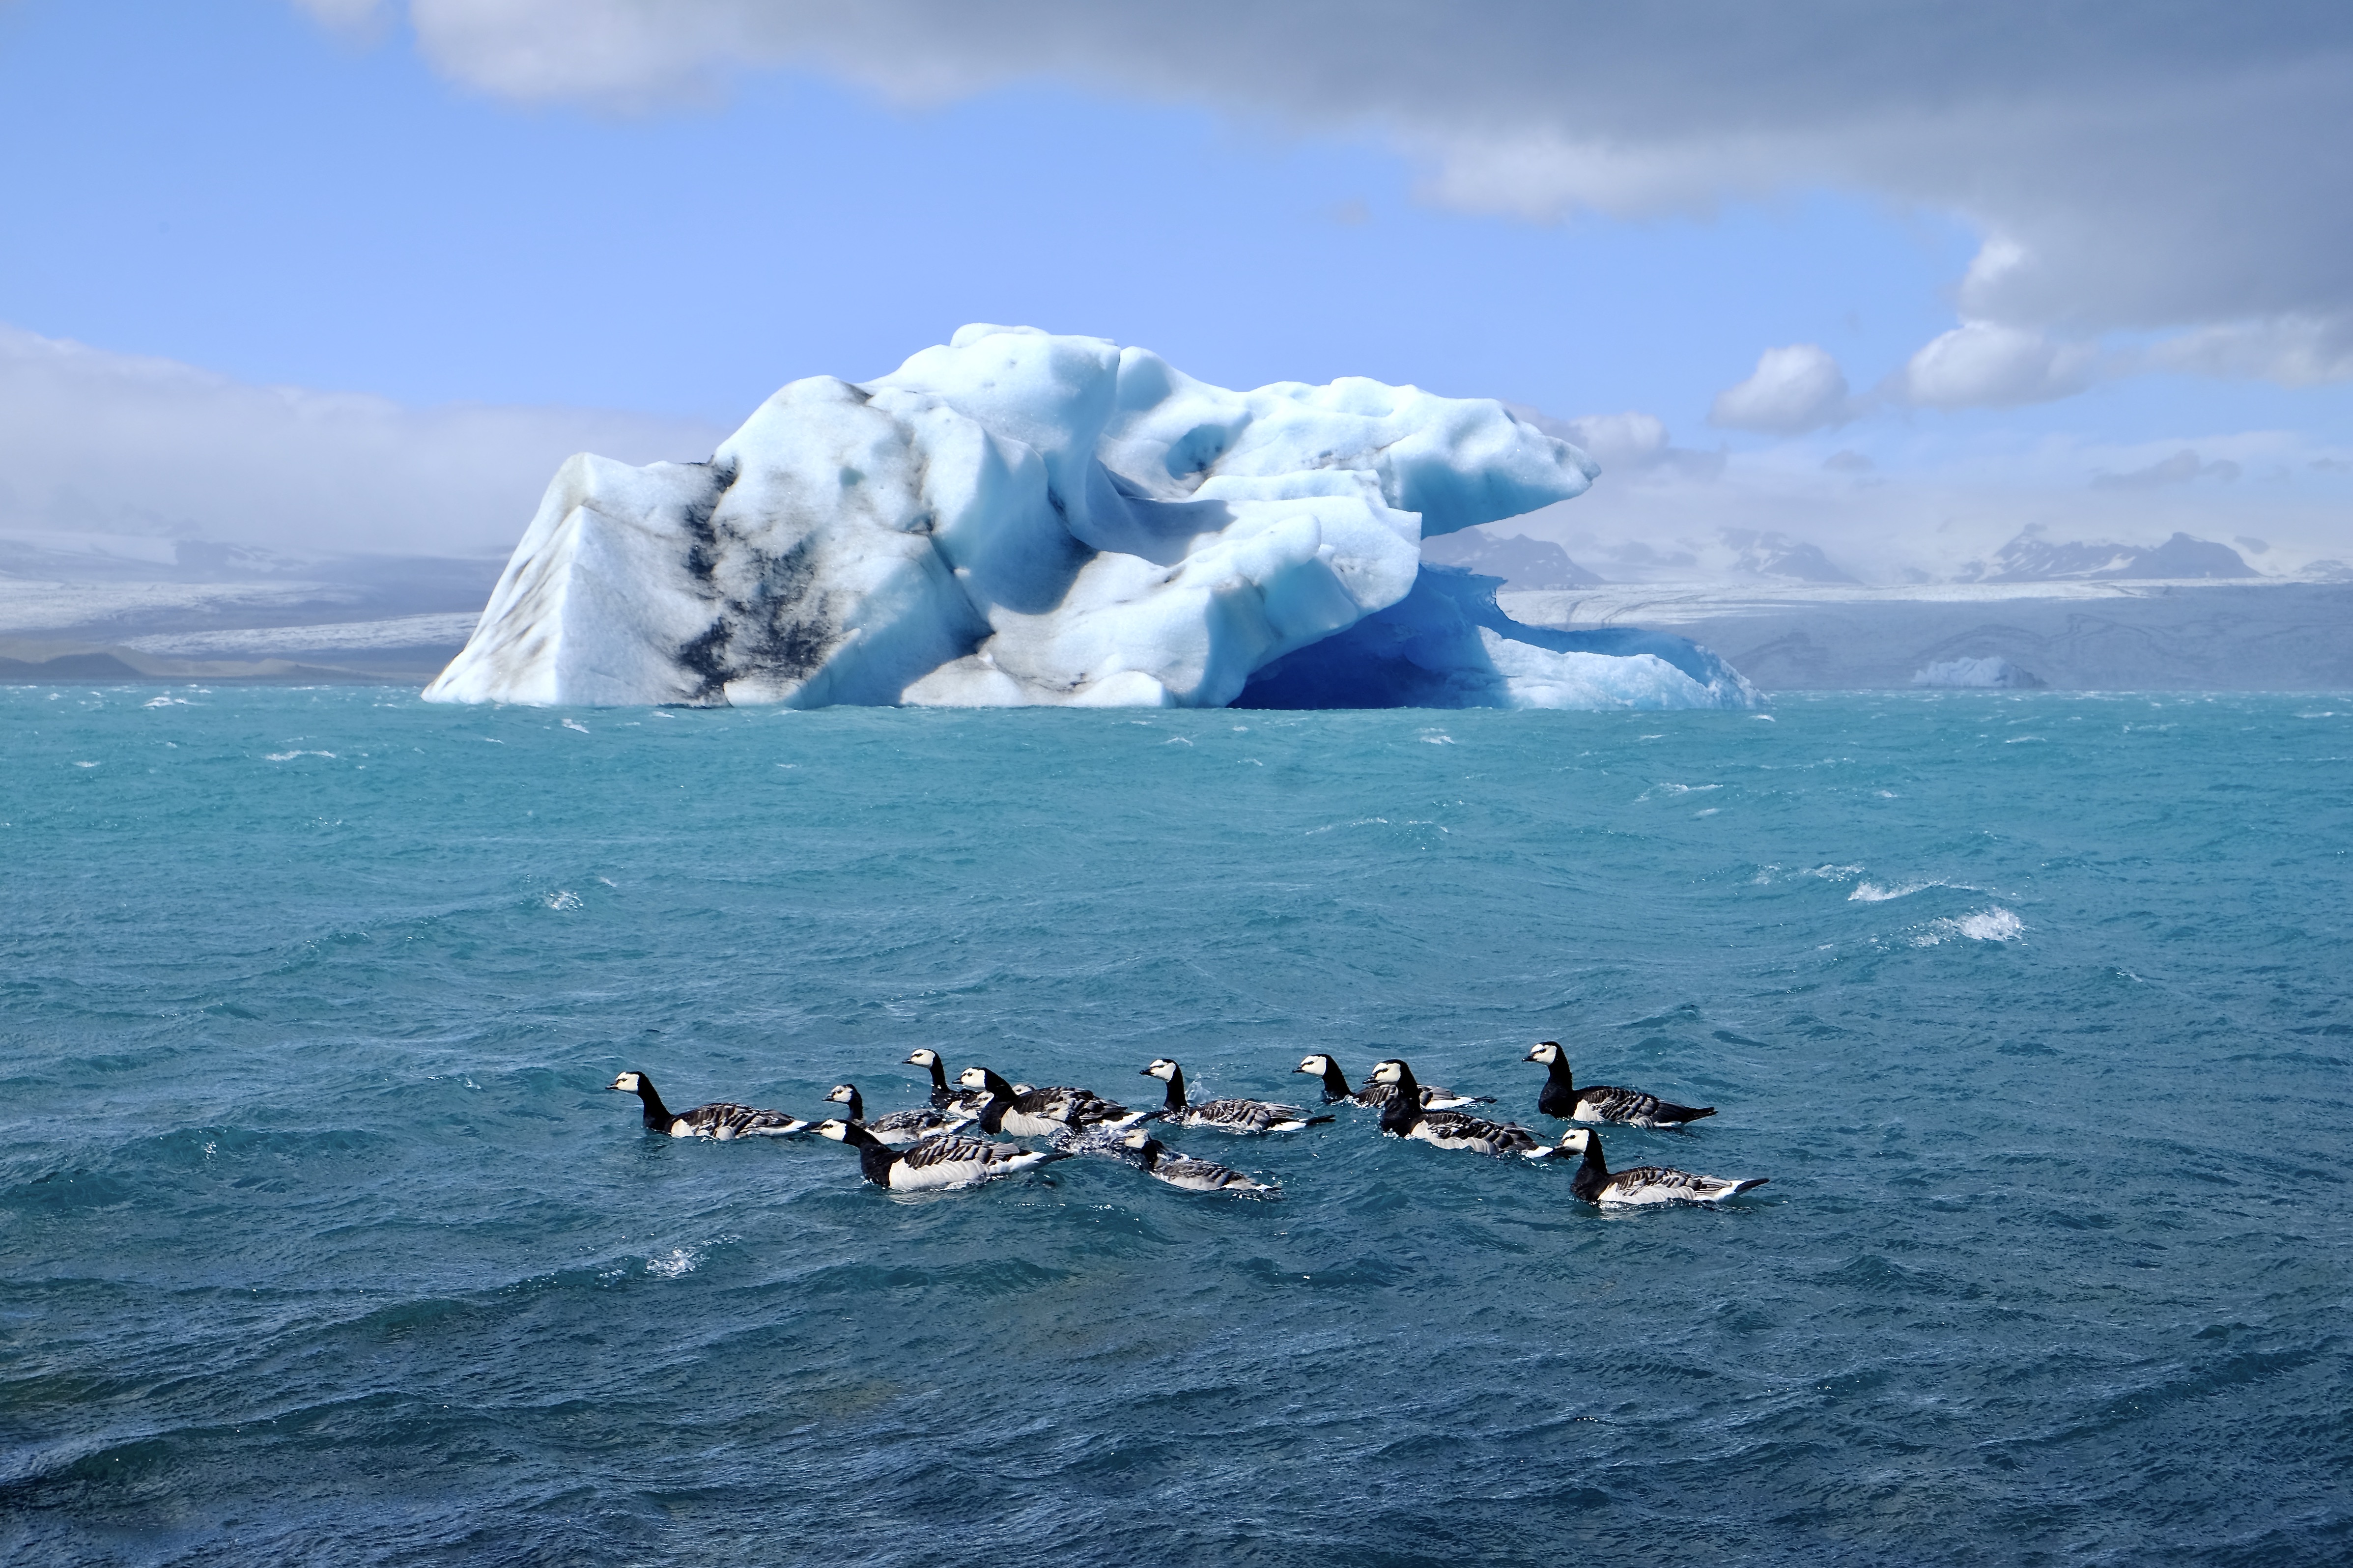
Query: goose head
pixel 629 1083
pixel 1163 1068
pixel 836 1129
pixel 1547 1052
pixel 843 1094
pixel 1576 1140
pixel 1391 1071
pixel 924 1057
pixel 1318 1065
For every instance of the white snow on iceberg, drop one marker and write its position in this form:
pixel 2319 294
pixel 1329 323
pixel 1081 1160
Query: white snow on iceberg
pixel 1018 517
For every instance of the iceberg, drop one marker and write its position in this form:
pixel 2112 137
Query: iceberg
pixel 1018 518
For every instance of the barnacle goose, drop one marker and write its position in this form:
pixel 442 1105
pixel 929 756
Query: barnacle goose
pixel 1598 1103
pixel 1403 1117
pixel 943 1096
pixel 937 1162
pixel 1039 1112
pixel 1156 1159
pixel 1224 1115
pixel 721 1118
pixel 1597 1183
pixel 1376 1095
pixel 899 1127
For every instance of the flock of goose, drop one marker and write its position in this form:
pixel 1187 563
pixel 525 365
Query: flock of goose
pixel 952 1140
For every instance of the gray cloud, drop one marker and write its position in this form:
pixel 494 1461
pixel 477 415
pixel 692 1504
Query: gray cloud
pixel 2178 469
pixel 2127 169
pixel 105 444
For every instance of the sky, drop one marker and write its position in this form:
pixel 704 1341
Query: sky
pixel 1900 281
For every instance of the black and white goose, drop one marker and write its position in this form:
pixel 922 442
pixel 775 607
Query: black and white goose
pixel 900 1128
pixel 1403 1117
pixel 944 1097
pixel 1597 1183
pixel 1598 1103
pixel 939 1162
pixel 1377 1095
pixel 1156 1159
pixel 1224 1115
pixel 1023 1112
pixel 721 1118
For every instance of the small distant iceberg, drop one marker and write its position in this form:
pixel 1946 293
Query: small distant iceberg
pixel 1978 674
pixel 1019 519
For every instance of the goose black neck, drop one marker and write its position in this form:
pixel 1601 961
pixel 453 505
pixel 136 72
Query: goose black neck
pixel 658 1116
pixel 992 1114
pixel 855 1104
pixel 1556 1073
pixel 939 1075
pixel 1592 1161
pixel 874 1157
pixel 1404 1108
pixel 1175 1100
pixel 1336 1082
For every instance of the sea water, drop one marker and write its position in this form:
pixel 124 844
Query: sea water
pixel 324 1241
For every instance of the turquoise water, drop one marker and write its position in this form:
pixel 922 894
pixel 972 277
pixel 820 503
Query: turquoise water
pixel 322 1243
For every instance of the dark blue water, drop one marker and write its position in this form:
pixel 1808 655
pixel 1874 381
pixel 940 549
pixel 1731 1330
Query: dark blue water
pixel 322 1243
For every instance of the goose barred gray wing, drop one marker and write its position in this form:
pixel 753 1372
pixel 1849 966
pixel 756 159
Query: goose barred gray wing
pixel 1079 1107
pixel 923 1121
pixel 1632 1107
pixel 1664 1185
pixel 1245 1115
pixel 1453 1129
pixel 724 1120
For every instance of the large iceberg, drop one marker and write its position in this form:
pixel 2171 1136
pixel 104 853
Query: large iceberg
pixel 1018 517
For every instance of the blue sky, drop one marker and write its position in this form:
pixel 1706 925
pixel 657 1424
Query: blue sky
pixel 277 201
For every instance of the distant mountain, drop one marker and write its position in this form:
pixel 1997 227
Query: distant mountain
pixel 1519 560
pixel 1777 556
pixel 2030 558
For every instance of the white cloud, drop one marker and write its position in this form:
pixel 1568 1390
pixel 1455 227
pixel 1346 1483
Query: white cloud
pixel 1985 364
pixel 100 443
pixel 1794 390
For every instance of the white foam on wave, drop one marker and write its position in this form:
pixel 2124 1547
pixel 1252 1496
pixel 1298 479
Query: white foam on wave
pixel 1674 789
pixel 290 756
pixel 678 1265
pixel 1872 893
pixel 565 900
pixel 1994 924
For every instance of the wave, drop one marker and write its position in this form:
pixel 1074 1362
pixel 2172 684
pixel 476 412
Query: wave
pixel 1994 924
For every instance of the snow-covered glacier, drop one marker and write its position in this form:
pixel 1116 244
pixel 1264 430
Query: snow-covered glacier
pixel 1018 517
